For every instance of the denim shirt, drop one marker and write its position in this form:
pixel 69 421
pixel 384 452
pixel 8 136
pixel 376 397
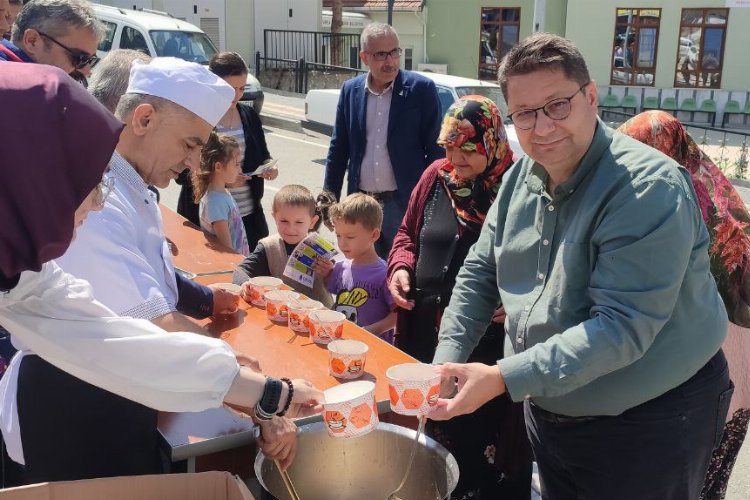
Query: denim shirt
pixel 606 284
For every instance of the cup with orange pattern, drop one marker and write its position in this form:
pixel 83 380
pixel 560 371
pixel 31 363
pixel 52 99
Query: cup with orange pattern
pixel 257 288
pixel 414 388
pixel 350 409
pixel 277 309
pixel 346 358
pixel 299 311
pixel 326 325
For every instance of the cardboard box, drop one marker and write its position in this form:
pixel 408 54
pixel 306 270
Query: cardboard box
pixel 201 486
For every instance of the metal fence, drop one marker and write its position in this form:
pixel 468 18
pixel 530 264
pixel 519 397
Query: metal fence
pixel 339 49
pixel 727 148
pixel 302 72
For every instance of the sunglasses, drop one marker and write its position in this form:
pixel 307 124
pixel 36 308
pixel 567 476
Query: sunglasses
pixel 78 58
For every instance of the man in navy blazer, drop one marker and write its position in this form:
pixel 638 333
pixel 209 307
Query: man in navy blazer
pixel 385 135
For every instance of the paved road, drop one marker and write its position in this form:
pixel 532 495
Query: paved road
pixel 301 156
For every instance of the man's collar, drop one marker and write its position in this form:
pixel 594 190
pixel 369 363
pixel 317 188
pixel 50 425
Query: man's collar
pixel 372 91
pixel 122 169
pixel 23 56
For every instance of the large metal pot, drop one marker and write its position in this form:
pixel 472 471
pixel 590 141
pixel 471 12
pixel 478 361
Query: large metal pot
pixel 362 468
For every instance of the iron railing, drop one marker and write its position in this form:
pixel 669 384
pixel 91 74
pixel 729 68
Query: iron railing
pixel 335 49
pixel 727 148
pixel 302 70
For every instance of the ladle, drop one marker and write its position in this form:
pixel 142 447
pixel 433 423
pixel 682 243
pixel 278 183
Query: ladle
pixel 420 429
pixel 287 481
pixel 191 275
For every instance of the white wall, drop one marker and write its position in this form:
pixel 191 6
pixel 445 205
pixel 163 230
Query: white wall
pixel 274 14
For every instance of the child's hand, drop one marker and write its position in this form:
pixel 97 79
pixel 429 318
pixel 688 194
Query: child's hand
pixel 322 267
pixel 499 315
pixel 245 292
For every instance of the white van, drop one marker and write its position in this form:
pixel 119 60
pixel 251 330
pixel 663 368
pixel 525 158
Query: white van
pixel 159 34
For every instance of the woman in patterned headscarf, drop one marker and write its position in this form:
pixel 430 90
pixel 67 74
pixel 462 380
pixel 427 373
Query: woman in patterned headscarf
pixel 728 223
pixel 443 219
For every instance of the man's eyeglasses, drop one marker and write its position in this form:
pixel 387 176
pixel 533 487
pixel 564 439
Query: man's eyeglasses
pixel 102 190
pixel 383 55
pixel 557 109
pixel 78 58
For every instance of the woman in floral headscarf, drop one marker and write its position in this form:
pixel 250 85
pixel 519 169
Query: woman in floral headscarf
pixel 728 223
pixel 443 220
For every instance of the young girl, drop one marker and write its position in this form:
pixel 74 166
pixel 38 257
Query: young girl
pixel 296 214
pixel 219 215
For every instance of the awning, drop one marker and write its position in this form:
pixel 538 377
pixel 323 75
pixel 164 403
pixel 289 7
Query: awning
pixel 351 20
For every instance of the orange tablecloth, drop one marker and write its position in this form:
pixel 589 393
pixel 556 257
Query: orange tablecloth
pixel 281 351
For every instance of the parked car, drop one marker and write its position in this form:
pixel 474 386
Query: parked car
pixel 159 34
pixel 320 105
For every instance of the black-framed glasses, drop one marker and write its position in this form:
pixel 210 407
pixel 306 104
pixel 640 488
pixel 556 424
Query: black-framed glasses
pixel 383 55
pixel 78 58
pixel 557 109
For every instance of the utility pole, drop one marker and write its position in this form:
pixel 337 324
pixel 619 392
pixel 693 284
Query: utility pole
pixel 390 12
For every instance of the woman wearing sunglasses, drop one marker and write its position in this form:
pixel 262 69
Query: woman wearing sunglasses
pixel 53 318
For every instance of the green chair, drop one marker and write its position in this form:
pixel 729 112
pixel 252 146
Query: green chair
pixel 732 107
pixel 610 101
pixel 688 105
pixel 629 102
pixel 708 106
pixel 650 102
pixel 669 104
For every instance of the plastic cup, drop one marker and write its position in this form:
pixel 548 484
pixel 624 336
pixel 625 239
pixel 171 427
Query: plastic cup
pixel 326 325
pixel 350 409
pixel 259 286
pixel 414 388
pixel 346 358
pixel 229 287
pixel 277 309
pixel 298 312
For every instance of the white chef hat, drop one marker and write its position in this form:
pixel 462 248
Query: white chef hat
pixel 187 84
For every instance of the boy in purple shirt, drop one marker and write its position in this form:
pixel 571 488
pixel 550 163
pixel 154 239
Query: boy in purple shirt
pixel 359 281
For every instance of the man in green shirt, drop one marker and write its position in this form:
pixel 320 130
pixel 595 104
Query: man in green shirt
pixel 596 248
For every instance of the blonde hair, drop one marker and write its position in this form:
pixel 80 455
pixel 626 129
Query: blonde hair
pixel 218 149
pixel 358 208
pixel 295 195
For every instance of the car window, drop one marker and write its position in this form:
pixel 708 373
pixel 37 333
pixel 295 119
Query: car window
pixel 445 96
pixel 195 47
pixel 493 93
pixel 131 38
pixel 105 44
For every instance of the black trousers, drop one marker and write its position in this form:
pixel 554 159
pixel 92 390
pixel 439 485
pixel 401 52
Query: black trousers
pixel 658 450
pixel 73 430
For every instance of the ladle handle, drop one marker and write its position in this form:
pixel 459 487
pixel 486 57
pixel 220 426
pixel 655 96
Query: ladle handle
pixel 287 481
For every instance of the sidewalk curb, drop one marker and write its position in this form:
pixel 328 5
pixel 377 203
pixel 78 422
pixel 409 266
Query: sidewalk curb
pixel 281 122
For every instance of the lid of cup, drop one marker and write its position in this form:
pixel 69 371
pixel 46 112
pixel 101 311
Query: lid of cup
pixel 348 347
pixel 412 372
pixel 346 392
pixel 265 281
pixel 327 316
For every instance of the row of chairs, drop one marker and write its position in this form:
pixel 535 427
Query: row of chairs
pixel 630 103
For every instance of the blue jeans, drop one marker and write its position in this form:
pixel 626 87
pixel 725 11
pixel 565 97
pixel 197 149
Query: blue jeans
pixel 393 214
